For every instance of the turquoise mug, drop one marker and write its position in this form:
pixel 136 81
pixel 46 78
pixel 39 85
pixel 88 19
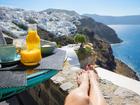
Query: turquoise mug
pixel 7 53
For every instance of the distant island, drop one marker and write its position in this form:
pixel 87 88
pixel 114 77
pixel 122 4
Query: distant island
pixel 109 20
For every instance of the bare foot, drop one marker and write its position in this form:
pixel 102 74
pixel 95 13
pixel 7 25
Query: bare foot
pixel 82 78
pixel 91 69
pixel 79 96
pixel 93 78
pixel 95 95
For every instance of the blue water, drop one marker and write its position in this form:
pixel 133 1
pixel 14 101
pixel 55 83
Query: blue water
pixel 129 50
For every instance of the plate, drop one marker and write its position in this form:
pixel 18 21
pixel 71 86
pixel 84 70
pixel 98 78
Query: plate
pixel 15 60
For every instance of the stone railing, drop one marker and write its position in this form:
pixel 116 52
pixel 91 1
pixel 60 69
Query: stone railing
pixel 54 91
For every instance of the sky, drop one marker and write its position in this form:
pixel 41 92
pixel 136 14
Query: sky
pixel 101 7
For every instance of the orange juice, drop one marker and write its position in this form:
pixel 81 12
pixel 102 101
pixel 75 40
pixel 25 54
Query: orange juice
pixel 32 40
pixel 32 54
pixel 30 57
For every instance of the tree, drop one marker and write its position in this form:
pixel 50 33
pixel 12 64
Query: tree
pixel 80 38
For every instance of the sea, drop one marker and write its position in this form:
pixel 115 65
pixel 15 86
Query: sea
pixel 129 50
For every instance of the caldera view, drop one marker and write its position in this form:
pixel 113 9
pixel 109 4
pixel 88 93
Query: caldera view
pixel 69 52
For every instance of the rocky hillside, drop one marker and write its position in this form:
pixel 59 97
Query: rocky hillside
pixel 53 23
pixel 99 30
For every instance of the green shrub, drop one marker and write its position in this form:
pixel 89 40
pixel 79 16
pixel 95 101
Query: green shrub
pixel 80 38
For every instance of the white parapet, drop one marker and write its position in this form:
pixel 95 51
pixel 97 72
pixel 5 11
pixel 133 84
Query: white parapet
pixel 119 80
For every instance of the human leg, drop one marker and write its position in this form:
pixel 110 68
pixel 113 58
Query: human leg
pixel 79 96
pixel 95 95
pixel 88 93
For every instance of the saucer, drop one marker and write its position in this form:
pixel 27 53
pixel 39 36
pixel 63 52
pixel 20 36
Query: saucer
pixel 47 50
pixel 16 59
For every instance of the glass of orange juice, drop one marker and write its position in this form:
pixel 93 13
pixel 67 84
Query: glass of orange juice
pixel 31 54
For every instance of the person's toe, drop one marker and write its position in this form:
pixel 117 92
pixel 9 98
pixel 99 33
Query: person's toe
pixel 93 75
pixel 82 77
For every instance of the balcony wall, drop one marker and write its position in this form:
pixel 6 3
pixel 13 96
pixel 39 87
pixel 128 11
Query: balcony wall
pixel 54 91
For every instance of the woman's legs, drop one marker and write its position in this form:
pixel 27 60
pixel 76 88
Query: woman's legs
pixel 79 96
pixel 88 93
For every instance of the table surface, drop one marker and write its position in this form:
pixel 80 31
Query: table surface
pixel 34 77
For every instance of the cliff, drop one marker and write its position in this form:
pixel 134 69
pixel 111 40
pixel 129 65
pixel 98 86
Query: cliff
pixel 98 30
pixel 123 69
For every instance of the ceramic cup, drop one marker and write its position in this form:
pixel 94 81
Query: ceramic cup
pixel 7 53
